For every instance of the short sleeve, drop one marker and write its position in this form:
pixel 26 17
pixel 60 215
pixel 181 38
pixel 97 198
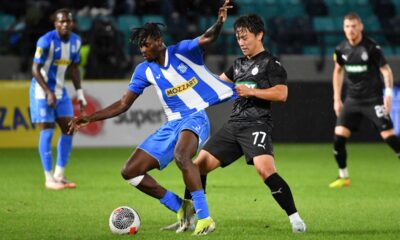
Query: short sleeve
pixel 276 73
pixel 190 49
pixel 377 56
pixel 139 80
pixel 229 73
pixel 337 57
pixel 42 50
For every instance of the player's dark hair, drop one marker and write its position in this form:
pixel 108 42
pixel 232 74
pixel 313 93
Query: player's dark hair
pixel 252 22
pixel 66 11
pixel 352 16
pixel 149 30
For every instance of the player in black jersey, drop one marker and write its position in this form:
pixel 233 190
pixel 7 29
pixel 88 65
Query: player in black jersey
pixel 260 79
pixel 368 76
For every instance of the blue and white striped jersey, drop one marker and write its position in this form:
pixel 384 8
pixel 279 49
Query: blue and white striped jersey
pixel 184 85
pixel 55 55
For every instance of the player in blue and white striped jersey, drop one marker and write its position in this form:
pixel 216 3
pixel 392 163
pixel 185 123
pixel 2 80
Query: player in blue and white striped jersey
pixel 56 51
pixel 185 88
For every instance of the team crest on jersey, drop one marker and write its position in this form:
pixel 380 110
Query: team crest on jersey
pixel 255 70
pixel 182 68
pixel 364 56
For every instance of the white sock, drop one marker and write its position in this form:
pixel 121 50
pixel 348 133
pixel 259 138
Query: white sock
pixel 295 217
pixel 343 173
pixel 59 172
pixel 48 176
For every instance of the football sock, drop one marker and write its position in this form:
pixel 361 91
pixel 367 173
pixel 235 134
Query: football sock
pixel 45 148
pixel 343 173
pixel 171 201
pixel 200 204
pixel 339 150
pixel 49 176
pixel 394 143
pixel 295 217
pixel 203 179
pixel 59 172
pixel 64 149
pixel 281 192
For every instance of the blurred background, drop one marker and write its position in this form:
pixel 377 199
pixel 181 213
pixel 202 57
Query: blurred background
pixel 302 33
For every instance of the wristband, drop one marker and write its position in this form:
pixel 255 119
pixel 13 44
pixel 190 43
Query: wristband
pixel 81 97
pixel 388 92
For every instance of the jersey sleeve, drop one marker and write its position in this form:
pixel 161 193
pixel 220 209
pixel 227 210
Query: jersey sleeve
pixel 191 49
pixel 229 73
pixel 139 80
pixel 276 73
pixel 77 55
pixel 377 56
pixel 42 50
pixel 337 57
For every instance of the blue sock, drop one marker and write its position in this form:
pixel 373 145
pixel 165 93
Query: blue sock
pixel 171 201
pixel 200 204
pixel 64 149
pixel 45 148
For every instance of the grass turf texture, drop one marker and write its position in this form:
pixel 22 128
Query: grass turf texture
pixel 239 202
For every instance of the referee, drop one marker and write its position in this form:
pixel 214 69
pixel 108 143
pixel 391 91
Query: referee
pixel 368 76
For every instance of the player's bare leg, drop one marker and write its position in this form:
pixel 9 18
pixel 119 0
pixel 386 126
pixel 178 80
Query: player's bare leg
pixel 265 166
pixel 185 150
pixel 390 137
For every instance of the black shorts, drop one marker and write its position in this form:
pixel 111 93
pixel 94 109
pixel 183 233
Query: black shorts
pixel 234 140
pixel 353 111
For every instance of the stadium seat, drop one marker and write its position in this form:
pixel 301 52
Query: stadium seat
pixel 153 18
pixel 6 21
pixel 126 22
pixel 315 7
pixel 84 23
pixel 337 7
pixel 292 8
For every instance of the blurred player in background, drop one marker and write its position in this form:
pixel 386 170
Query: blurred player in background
pixel 259 80
pixel 56 51
pixel 368 77
pixel 185 88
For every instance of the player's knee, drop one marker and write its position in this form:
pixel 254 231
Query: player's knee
pixel 129 172
pixel 183 160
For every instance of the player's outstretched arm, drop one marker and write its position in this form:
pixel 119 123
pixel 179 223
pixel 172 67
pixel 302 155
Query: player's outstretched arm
pixel 277 93
pixel 212 33
pixel 112 110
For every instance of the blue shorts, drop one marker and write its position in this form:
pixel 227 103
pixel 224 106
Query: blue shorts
pixel 161 144
pixel 41 112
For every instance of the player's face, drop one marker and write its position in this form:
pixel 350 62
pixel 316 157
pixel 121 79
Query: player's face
pixel 151 49
pixel 249 43
pixel 352 29
pixel 63 24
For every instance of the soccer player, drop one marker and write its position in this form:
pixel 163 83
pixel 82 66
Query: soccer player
pixel 56 51
pixel 259 80
pixel 185 88
pixel 367 74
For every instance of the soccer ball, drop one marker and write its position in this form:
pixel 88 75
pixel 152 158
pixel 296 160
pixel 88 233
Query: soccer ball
pixel 124 220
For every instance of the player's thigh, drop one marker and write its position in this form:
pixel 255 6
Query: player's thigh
pixel 349 118
pixel 265 165
pixel 376 113
pixel 223 146
pixel 138 164
pixel 255 140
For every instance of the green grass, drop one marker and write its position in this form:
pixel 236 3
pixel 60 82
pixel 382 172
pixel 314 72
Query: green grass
pixel 239 202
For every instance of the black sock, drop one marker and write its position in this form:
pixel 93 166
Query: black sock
pixel 203 179
pixel 339 150
pixel 394 143
pixel 281 192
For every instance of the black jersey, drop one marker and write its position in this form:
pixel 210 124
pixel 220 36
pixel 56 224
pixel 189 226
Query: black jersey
pixel 361 64
pixel 261 71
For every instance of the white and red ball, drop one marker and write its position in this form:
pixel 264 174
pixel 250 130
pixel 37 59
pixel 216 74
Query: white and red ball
pixel 124 220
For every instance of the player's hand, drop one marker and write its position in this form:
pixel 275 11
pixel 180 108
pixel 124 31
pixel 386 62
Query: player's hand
pixel 81 99
pixel 387 103
pixel 77 123
pixel 51 99
pixel 337 106
pixel 244 91
pixel 223 11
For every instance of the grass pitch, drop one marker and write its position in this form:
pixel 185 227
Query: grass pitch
pixel 239 202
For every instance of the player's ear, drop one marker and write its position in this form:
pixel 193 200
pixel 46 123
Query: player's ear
pixel 260 36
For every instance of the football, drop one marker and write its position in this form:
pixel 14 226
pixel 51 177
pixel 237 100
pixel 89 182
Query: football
pixel 124 220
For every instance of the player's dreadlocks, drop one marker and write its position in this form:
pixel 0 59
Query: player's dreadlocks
pixel 251 22
pixel 140 35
